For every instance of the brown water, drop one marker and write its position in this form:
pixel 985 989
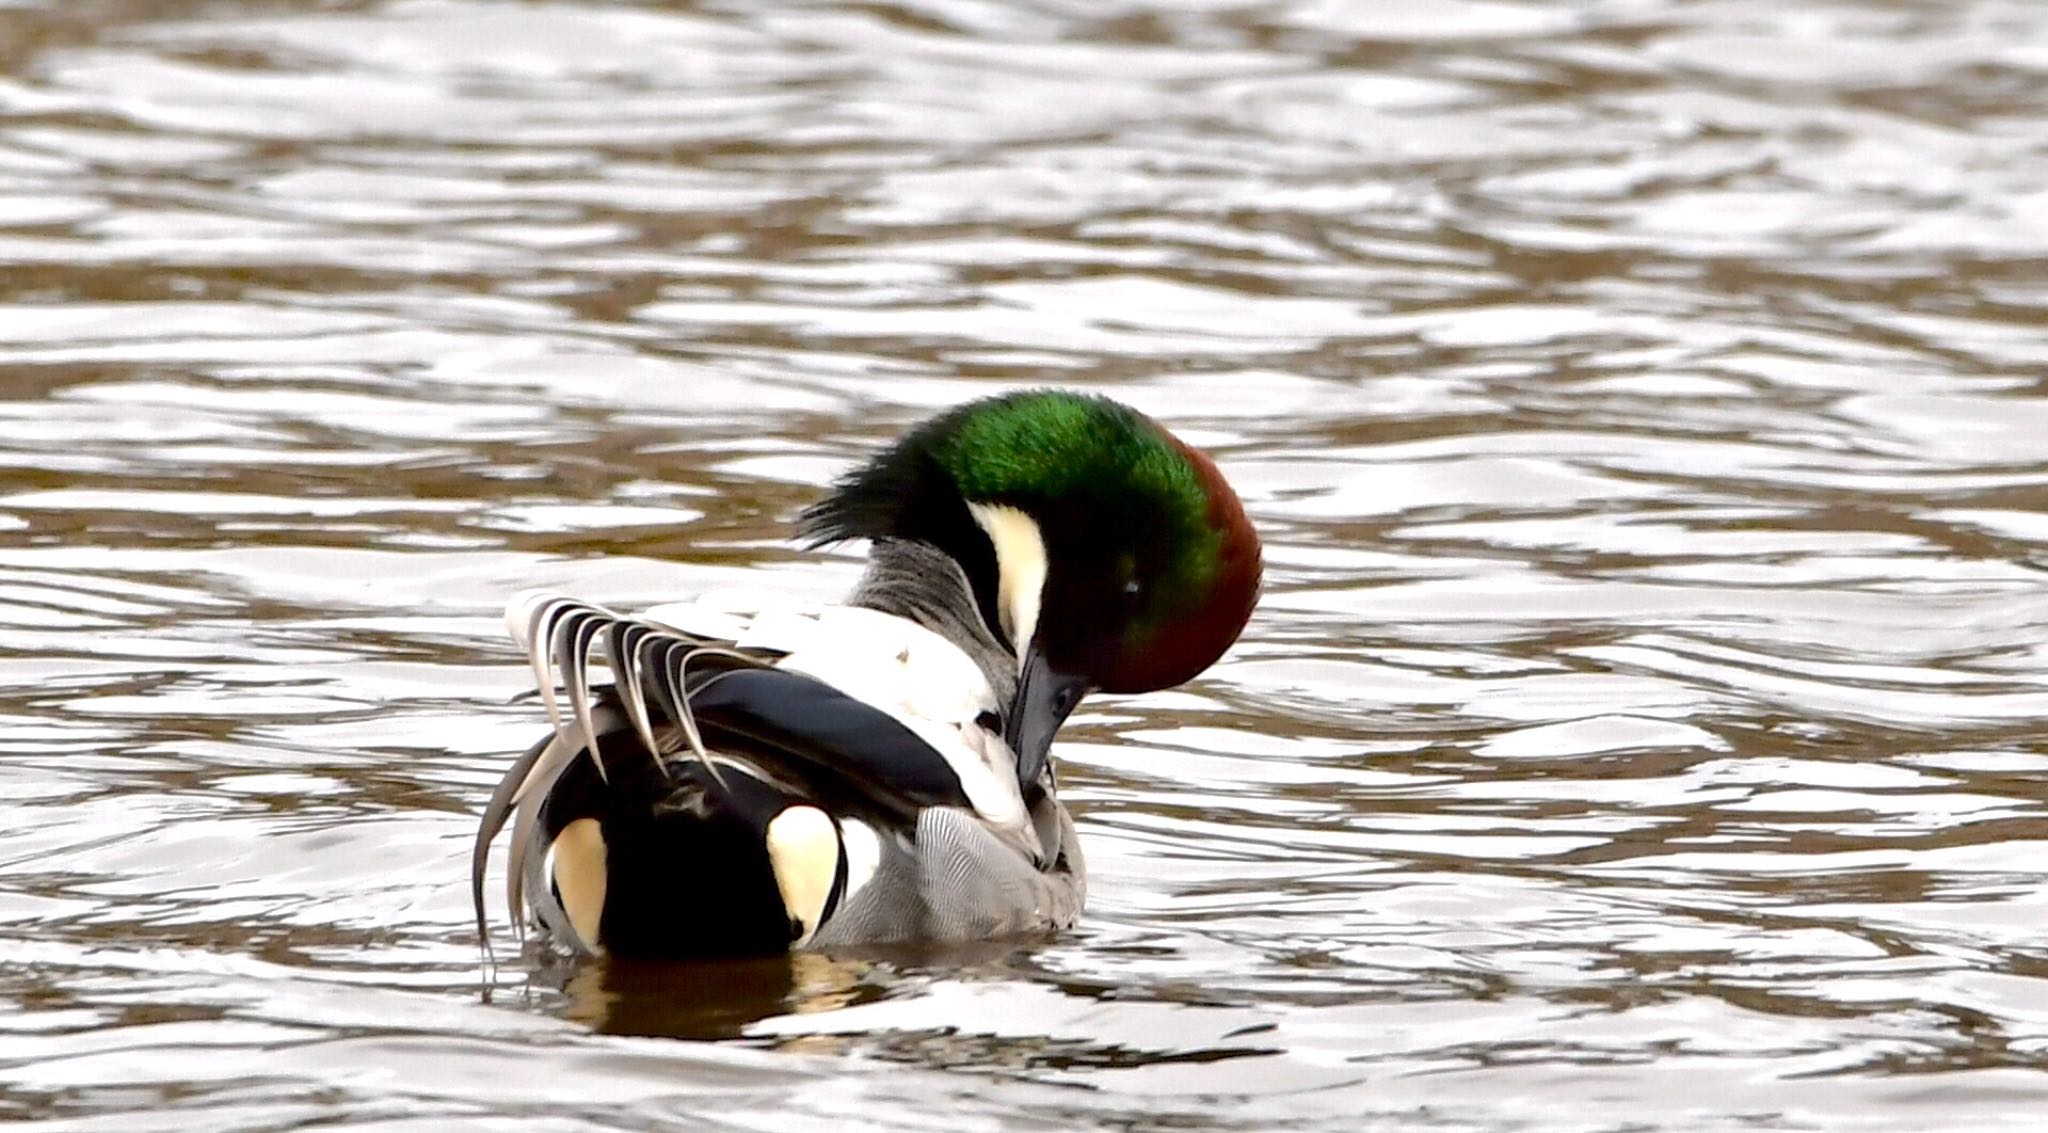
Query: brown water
pixel 1645 727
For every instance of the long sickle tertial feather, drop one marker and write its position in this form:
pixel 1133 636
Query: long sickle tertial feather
pixel 529 617
pixel 525 817
pixel 677 679
pixel 622 642
pixel 496 812
pixel 575 633
pixel 560 636
pixel 653 666
pixel 651 658
pixel 517 798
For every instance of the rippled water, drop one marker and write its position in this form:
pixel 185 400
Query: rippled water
pixel 1642 400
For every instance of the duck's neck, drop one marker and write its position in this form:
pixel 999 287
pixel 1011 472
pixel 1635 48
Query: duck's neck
pixel 919 582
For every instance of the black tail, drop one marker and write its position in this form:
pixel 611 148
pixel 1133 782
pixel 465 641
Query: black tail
pixel 684 854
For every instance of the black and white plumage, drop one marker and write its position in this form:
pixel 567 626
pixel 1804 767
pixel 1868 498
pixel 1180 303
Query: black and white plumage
pixel 767 779
pixel 755 779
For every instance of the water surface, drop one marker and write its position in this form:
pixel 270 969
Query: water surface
pixel 1641 401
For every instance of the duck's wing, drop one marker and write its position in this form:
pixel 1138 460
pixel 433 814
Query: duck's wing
pixel 857 715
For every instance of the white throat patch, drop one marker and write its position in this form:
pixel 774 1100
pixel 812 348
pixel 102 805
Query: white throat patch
pixel 1020 568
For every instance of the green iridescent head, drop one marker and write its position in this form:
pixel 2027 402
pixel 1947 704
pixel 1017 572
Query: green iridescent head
pixel 1093 538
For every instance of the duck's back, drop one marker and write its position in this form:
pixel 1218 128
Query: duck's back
pixel 771 778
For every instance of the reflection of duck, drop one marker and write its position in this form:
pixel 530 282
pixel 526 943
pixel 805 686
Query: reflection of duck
pixel 876 772
pixel 710 999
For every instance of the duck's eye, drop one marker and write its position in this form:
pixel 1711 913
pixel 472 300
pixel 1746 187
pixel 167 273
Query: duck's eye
pixel 1133 589
pixel 1133 595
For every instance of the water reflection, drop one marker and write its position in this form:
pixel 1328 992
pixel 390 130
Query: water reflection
pixel 711 1000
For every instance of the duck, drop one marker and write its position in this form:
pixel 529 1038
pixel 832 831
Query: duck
pixel 759 777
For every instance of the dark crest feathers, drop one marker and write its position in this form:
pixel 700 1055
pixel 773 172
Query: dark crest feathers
pixel 904 493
